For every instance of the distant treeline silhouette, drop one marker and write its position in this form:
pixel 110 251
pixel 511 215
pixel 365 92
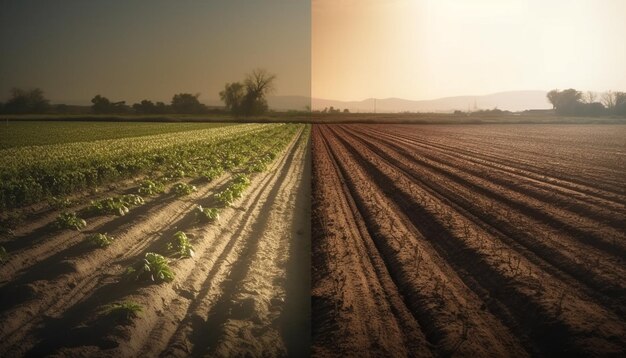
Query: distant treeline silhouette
pixel 33 101
pixel 247 98
pixel 575 103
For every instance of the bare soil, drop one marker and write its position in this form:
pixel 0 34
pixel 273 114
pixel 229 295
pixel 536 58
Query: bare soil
pixel 494 241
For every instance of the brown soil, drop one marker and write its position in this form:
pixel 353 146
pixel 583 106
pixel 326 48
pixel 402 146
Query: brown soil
pixel 243 293
pixel 469 241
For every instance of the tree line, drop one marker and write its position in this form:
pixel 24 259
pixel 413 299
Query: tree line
pixel 240 98
pixel 576 103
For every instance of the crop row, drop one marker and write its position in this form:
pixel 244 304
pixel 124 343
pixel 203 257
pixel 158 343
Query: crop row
pixel 60 170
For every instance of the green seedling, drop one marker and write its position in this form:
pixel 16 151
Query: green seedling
pixel 182 189
pixel 241 179
pixel 115 205
pixel 70 221
pixel 212 174
pixel 207 214
pixel 153 266
pixel 60 203
pixel 149 187
pixel 125 310
pixel 100 240
pixel 180 245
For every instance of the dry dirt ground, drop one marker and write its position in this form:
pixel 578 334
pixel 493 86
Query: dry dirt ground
pixel 481 241
pixel 245 292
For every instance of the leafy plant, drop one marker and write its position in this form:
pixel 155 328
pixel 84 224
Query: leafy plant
pixel 180 245
pixel 182 189
pixel 257 167
pixel 207 214
pixel 3 254
pixel 241 179
pixel 115 205
pixel 150 187
pixel 68 220
pixel 212 174
pixel 60 203
pixel 132 199
pixel 234 191
pixel 154 266
pixel 125 310
pixel 225 197
pixel 175 173
pixel 100 240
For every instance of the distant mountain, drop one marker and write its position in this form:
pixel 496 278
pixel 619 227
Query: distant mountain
pixel 512 101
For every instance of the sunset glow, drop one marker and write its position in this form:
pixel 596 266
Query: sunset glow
pixel 422 49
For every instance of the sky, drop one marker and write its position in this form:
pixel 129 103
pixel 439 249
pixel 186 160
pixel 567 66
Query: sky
pixel 427 49
pixel 152 49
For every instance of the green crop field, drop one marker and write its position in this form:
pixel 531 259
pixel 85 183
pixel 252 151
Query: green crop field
pixel 61 169
pixel 16 133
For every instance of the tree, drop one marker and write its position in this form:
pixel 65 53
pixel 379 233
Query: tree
pixel 566 101
pixel 187 103
pixel 553 97
pixel 249 98
pixel 620 103
pixel 233 96
pixel 26 101
pixel 102 105
pixel 608 99
pixel 589 97
pixel 145 107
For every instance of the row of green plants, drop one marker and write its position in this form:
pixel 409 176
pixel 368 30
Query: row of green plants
pixel 154 266
pixel 194 154
pixel 119 205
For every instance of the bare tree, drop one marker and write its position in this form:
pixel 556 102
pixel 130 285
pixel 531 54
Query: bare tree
pixel 609 99
pixel 259 82
pixel 589 97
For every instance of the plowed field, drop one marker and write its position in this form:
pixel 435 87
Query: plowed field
pixel 469 240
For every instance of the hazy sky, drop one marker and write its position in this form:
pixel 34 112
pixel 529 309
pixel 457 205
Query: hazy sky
pixel 131 50
pixel 423 49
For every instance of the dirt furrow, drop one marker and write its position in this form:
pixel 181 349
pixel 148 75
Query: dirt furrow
pixel 448 310
pixel 578 206
pixel 485 259
pixel 551 243
pixel 506 162
pixel 353 295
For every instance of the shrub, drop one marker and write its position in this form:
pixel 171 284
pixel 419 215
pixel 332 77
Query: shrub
pixel 70 221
